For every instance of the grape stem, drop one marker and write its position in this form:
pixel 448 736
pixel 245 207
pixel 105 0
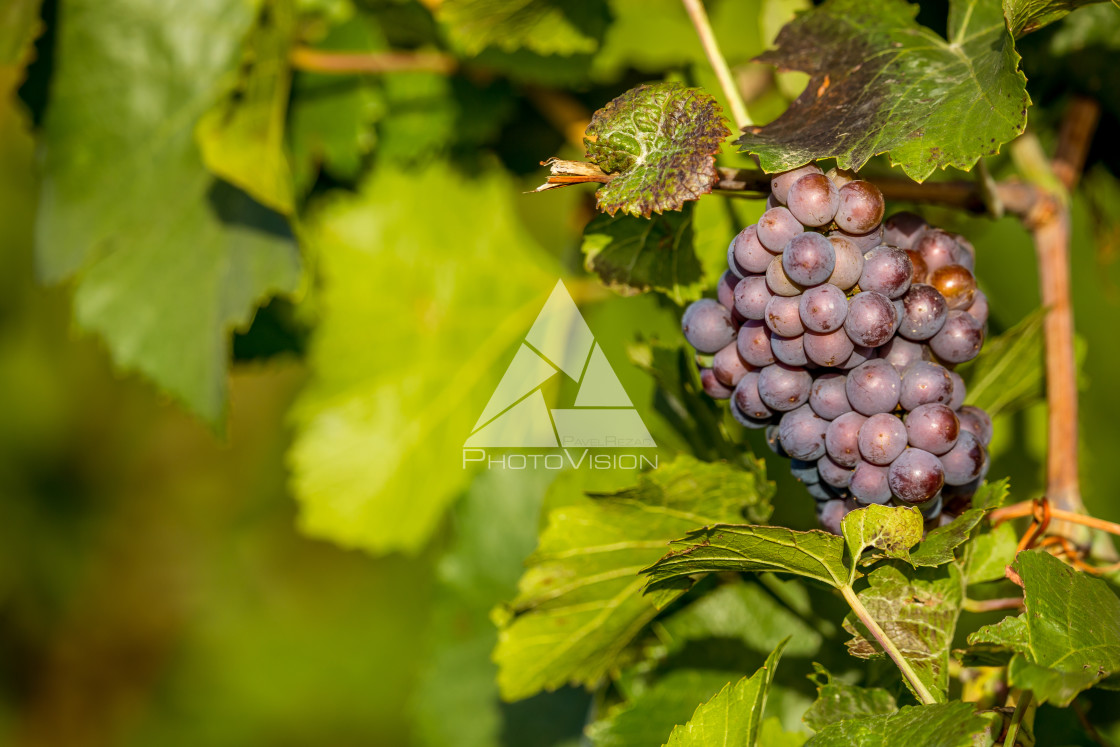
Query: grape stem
pixel 992 605
pixel 920 690
pixel 1026 508
pixel 708 41
pixel 1021 706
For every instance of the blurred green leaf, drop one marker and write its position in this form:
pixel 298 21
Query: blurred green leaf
pixel 19 25
pixel 170 261
pixel 953 724
pixel 839 701
pixel 542 26
pixel 660 140
pixel 412 340
pixel 990 553
pixel 580 602
pixel 1025 16
pixel 881 83
pixel 892 529
pixel 734 715
pixel 938 545
pixel 1067 640
pixel 635 255
pixel 918 611
pixel 1008 373
pixel 242 137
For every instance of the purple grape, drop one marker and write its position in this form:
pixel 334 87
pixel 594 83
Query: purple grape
pixel 873 387
pixel 802 433
pixel 713 387
pixel 707 325
pixel 916 476
pixel 784 388
pixel 938 248
pixel 933 428
pixel 964 462
pixel 870 320
pixel 813 200
pixel 841 439
pixel 924 312
pixel 849 262
pixel 772 201
pixel 898 310
pixel 746 254
pixel 886 270
pixel 754 343
pixel 959 392
pixel 903 229
pixel 931 509
pixel 823 308
pixel 956 284
pixel 959 340
pixel 823 492
pixel 925 382
pixel 751 295
pixel 860 355
pixel 836 475
pixel 901 353
pixel 789 350
pixel 967 255
pixel 827 396
pixel 745 421
pixel 881 439
pixel 747 400
pixel 778 281
pixel 828 348
pixel 774 441
pixel 729 366
pixel 841 177
pixel 870 483
pixel 776 227
pixel 804 472
pixel 725 290
pixel 831 513
pixel 979 308
pixel 861 207
pixel 864 242
pixel 783 316
pixel 809 259
pixel 780 183
pixel 977 422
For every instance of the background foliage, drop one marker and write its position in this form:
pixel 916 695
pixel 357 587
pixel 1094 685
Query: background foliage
pixel 249 312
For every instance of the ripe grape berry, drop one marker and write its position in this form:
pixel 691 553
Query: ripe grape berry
pixel 837 333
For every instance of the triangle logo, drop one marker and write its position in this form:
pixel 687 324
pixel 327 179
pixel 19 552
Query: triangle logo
pixel 559 344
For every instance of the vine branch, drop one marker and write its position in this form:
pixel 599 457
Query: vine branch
pixel 708 41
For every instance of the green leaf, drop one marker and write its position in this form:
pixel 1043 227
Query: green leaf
pixel 938 546
pixel 1008 374
pixel 814 554
pixel 19 25
pixel 732 717
pixel 839 701
pixel 894 530
pixel 381 425
pixel 171 262
pixel 541 26
pixel 918 611
pixel 990 553
pixel 242 137
pixel 881 83
pixel 1067 640
pixel 1025 16
pixel 953 724
pixel 634 255
pixel 992 495
pixel 660 141
pixel 580 602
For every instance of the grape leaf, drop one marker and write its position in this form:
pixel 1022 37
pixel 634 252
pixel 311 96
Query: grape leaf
pixel 894 530
pixel 733 716
pixel 814 554
pixel 1067 640
pixel 395 388
pixel 990 553
pixel 634 255
pixel 660 141
pixel 918 611
pixel 938 546
pixel 541 26
pixel 839 701
pixel 170 261
pixel 992 495
pixel 1025 16
pixel 580 601
pixel 1008 374
pixel 242 137
pixel 953 724
pixel 881 83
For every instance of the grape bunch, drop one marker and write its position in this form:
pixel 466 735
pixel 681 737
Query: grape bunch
pixel 838 333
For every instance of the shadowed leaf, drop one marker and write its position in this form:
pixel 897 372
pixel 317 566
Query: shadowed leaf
pixel 838 701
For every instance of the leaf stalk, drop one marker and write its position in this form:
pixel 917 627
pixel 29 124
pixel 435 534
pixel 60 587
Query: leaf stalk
pixel 708 41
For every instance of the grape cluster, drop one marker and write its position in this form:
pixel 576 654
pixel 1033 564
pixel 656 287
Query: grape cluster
pixel 838 333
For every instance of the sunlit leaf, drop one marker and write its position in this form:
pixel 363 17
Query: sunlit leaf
pixel 953 724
